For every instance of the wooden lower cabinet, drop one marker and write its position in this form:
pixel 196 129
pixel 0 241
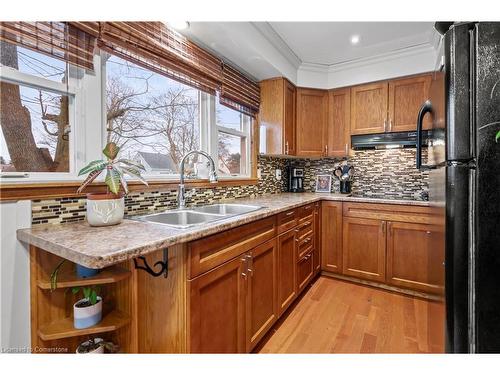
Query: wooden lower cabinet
pixel 287 259
pixel 317 238
pixel 305 271
pixel 415 256
pixel 364 248
pixel 331 236
pixel 262 293
pixel 217 307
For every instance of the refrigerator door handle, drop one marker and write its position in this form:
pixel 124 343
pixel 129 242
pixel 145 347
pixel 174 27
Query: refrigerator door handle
pixel 426 108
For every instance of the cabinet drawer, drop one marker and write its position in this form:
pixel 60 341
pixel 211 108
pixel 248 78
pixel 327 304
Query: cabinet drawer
pixel 393 212
pixel 305 245
pixel 305 211
pixel 212 251
pixel 304 270
pixel 287 220
pixel 305 227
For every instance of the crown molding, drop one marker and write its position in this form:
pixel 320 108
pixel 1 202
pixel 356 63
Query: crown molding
pixel 278 43
pixel 357 63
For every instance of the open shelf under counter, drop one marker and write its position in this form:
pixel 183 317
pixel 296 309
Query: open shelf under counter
pixel 68 278
pixel 64 328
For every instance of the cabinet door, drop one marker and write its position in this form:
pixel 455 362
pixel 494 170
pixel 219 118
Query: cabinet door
pixel 415 256
pixel 217 309
pixel 262 296
pixel 364 248
pixel 304 271
pixel 287 260
pixel 406 96
pixel 317 238
pixel 331 236
pixel 290 93
pixel 339 119
pixel 369 108
pixel 311 122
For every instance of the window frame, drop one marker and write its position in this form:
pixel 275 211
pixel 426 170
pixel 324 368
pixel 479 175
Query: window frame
pixel 88 127
pixel 245 134
pixel 73 91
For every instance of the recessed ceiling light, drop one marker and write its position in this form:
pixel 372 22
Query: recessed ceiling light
pixel 355 39
pixel 179 25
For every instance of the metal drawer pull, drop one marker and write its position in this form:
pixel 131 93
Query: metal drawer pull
pixel 290 213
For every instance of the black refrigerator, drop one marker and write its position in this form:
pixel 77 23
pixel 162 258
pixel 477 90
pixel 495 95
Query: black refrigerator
pixel 470 164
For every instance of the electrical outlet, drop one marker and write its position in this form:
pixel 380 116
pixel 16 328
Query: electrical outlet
pixel 278 174
pixel 259 173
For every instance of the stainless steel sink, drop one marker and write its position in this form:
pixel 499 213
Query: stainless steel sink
pixel 227 209
pixel 180 218
pixel 185 218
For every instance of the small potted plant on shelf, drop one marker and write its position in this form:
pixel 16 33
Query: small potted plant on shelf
pixel 96 345
pixel 87 311
pixel 108 208
pixel 82 272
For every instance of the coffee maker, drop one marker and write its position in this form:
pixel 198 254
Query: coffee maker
pixel 295 179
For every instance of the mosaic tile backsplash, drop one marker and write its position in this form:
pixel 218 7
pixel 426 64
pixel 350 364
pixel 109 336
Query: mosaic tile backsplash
pixel 378 173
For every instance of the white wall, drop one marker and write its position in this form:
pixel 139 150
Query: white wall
pixel 14 277
pixel 408 62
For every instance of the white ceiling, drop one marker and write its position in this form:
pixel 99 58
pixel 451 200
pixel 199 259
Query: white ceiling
pixel 307 52
pixel 328 43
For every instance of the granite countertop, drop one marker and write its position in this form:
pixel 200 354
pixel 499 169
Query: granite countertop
pixel 99 247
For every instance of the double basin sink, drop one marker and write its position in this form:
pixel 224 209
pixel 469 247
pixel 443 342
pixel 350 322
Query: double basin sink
pixel 188 217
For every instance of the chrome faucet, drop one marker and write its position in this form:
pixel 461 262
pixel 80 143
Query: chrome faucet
pixel 212 176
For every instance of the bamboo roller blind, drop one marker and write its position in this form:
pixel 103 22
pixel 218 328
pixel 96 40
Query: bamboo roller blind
pixel 56 39
pixel 152 45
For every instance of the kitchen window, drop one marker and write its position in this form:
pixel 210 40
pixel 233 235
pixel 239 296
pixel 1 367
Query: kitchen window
pixel 153 119
pixel 37 109
pixel 55 118
pixel 157 120
pixel 232 132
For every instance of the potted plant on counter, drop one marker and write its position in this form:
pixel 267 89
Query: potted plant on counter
pixel 96 345
pixel 108 208
pixel 87 311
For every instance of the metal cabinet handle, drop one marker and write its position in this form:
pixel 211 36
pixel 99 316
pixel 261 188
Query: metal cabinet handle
pixel 290 213
pixel 250 264
pixel 382 226
pixel 326 150
pixel 390 124
pixel 346 149
pixel 243 273
pixel 286 148
pixel 385 124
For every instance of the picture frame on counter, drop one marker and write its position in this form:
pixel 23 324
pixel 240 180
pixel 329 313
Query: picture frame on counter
pixel 323 183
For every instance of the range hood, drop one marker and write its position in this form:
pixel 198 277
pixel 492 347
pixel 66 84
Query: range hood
pixel 388 140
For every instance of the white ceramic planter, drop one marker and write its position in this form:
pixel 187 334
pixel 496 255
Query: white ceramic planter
pixel 105 209
pixel 99 350
pixel 84 317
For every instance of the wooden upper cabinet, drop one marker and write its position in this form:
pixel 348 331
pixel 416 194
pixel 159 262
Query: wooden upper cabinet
pixel 312 122
pixel 262 291
pixel 331 236
pixel 339 119
pixel 406 96
pixel 364 248
pixel 278 113
pixel 369 108
pixel 289 118
pixel 415 256
pixel 217 306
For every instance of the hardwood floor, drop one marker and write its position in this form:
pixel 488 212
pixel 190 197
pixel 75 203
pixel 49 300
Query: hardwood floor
pixel 336 316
